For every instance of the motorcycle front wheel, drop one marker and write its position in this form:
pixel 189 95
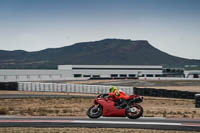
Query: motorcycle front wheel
pixel 134 112
pixel 95 111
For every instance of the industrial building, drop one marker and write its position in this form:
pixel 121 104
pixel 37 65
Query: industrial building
pixel 76 72
pixel 112 71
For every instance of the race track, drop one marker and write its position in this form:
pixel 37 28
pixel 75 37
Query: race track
pixel 142 123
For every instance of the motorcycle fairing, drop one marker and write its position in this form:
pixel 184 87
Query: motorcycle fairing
pixel 109 108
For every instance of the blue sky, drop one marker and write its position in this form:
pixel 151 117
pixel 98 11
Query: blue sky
pixel 172 26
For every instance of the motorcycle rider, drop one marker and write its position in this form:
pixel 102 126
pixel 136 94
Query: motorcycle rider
pixel 119 95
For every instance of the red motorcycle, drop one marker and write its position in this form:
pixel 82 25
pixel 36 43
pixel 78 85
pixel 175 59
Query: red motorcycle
pixel 107 106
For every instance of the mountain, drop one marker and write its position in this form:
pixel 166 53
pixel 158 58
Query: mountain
pixel 103 52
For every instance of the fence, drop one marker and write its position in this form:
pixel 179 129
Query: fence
pixel 197 100
pixel 164 93
pixel 8 86
pixel 77 88
pixel 94 89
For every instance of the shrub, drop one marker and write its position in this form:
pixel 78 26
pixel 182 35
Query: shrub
pixel 65 111
pixel 164 114
pixel 43 114
pixel 3 111
pixel 57 111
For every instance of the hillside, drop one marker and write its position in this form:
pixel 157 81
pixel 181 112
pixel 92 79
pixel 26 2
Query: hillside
pixel 105 52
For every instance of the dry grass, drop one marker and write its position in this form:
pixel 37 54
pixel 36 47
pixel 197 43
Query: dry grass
pixel 83 130
pixel 153 107
pixel 45 107
pixel 171 108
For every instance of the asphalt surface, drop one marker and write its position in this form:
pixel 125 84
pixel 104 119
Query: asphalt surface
pixel 104 122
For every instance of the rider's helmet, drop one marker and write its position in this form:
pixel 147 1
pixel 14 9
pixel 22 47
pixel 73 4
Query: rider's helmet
pixel 112 89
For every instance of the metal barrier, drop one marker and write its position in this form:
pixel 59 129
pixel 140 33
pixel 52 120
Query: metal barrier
pixel 164 93
pixel 8 85
pixel 197 100
pixel 95 89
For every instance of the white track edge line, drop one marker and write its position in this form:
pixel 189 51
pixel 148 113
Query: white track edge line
pixel 123 122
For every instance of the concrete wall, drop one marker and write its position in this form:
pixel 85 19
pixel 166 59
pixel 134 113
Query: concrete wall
pixel 77 88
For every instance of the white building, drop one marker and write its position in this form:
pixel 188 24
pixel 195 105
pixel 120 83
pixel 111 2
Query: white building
pixel 66 72
pixel 113 71
pixel 74 72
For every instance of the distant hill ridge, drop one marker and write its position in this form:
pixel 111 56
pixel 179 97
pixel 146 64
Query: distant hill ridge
pixel 103 52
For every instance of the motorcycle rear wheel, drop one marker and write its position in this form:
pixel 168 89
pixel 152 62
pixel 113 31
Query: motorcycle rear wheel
pixel 95 112
pixel 134 114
